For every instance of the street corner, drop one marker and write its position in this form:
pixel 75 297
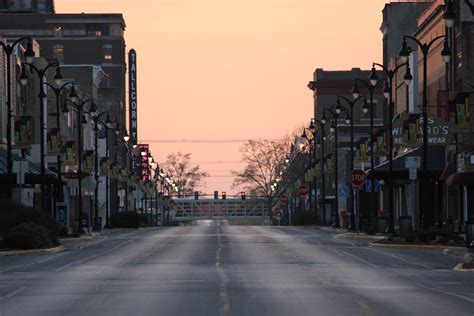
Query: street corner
pixel 22 252
pixel 464 267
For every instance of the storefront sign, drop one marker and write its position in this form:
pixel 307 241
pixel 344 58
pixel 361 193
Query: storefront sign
pixel 23 131
pixel 145 172
pixel 132 91
pixel 408 131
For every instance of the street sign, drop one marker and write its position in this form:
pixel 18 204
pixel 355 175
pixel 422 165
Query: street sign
pixel 413 172
pixel 283 199
pixel 412 162
pixel 303 190
pixel 344 192
pixel 368 186
pixel 357 178
pixel 62 213
pixel 277 212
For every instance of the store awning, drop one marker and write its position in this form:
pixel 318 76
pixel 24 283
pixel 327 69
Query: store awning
pixel 436 163
pixel 461 178
pixel 32 174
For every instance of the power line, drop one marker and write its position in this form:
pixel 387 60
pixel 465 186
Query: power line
pixel 211 141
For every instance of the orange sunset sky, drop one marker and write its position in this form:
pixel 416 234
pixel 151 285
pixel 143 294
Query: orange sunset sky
pixel 234 69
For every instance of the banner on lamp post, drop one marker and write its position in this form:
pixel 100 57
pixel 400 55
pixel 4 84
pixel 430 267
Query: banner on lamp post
pixel 54 143
pixel 23 132
pixel 69 154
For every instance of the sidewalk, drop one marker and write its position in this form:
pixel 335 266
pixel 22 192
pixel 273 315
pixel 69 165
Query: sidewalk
pixel 345 234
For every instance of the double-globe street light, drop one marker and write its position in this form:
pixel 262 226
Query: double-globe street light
pixel 57 92
pixel 388 94
pixel 350 119
pixel 79 108
pixel 371 85
pixel 8 50
pixel 333 129
pixel 446 54
pixel 107 125
pixel 41 73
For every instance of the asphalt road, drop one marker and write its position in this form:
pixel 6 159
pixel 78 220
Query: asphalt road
pixel 215 269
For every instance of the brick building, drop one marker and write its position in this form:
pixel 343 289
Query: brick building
pixel 327 86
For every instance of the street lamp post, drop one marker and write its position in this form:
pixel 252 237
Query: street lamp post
pixel 57 92
pixel 371 86
pixel 78 107
pixel 29 54
pixel 333 128
pixel 350 117
pixel 388 93
pixel 24 79
pixel 107 124
pixel 311 149
pixel 404 54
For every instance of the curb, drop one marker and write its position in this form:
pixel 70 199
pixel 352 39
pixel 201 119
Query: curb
pixel 359 237
pixel 402 246
pixel 460 267
pixel 66 240
pixel 32 251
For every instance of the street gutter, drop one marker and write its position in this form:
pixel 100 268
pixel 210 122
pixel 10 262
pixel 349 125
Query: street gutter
pixel 32 251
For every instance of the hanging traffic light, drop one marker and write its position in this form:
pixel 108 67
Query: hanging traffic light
pixel 196 195
pixel 224 195
pixel 242 195
pixel 216 195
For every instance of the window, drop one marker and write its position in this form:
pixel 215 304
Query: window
pixel 95 30
pixel 58 53
pixel 58 31
pixel 107 51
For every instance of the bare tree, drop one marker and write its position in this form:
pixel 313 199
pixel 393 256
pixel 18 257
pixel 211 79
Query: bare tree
pixel 186 177
pixel 264 161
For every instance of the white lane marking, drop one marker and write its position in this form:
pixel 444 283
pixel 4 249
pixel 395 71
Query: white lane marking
pixel 401 258
pixel 225 309
pixel 12 293
pixel 187 281
pixel 91 243
pixel 463 297
pixel 94 256
pixel 353 256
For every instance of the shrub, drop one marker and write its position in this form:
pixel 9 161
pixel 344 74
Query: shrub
pixel 125 220
pixel 13 214
pixel 27 236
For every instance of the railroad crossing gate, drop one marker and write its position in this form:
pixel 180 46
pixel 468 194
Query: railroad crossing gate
pixel 191 209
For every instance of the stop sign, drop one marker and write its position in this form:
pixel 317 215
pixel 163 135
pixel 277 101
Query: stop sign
pixel 283 199
pixel 303 190
pixel 357 178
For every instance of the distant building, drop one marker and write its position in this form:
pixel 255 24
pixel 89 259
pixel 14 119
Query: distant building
pixel 38 6
pixel 326 87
